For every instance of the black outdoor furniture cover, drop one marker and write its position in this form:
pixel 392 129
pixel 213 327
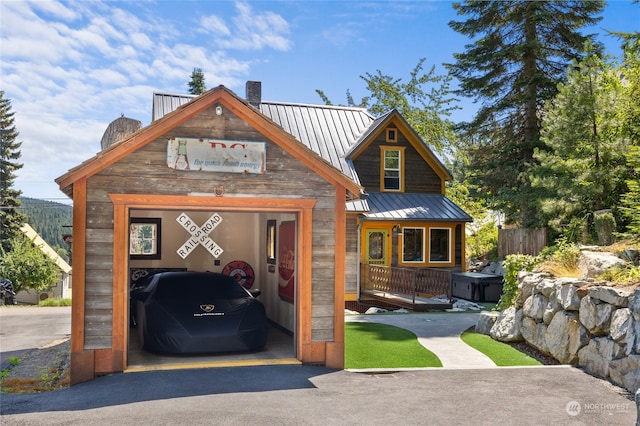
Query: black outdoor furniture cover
pixel 198 312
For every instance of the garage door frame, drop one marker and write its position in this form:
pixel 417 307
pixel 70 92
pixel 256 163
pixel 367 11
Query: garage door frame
pixel 123 203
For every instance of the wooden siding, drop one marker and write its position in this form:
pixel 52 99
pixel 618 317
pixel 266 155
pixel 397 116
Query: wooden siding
pixel 145 172
pixel 352 260
pixel 419 177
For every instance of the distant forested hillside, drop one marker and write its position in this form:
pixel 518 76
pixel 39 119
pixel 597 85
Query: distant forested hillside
pixel 50 219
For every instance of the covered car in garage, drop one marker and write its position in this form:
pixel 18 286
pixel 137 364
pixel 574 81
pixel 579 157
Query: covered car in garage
pixel 198 312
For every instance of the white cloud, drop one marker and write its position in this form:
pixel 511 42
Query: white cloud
pixel 70 68
pixel 250 31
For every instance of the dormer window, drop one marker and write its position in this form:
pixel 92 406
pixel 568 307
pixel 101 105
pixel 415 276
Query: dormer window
pixel 392 135
pixel 392 165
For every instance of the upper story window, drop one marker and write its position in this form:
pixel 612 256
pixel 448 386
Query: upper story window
pixel 392 169
pixel 392 135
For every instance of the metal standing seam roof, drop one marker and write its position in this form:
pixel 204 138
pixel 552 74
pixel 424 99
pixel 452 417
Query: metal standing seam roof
pixel 333 133
pixel 406 207
pixel 327 130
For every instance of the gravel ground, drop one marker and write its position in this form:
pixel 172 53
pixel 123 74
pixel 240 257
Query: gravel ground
pixel 41 369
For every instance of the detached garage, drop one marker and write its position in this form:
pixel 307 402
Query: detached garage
pixel 272 210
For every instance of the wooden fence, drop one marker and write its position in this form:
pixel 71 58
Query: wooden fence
pixel 521 241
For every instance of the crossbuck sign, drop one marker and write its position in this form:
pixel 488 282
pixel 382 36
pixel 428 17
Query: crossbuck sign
pixel 199 235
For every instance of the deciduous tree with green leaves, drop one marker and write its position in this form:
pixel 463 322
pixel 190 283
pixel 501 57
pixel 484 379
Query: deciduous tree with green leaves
pixel 10 217
pixel 519 54
pixel 27 266
pixel 425 101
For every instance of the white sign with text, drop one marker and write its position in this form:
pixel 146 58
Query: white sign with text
pixel 199 235
pixel 216 155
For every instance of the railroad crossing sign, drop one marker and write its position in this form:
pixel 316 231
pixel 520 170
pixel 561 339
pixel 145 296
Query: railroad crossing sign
pixel 199 235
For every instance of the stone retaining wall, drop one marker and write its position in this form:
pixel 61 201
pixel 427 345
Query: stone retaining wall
pixel 577 322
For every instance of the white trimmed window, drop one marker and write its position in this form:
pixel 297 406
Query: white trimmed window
pixel 440 245
pixel 413 241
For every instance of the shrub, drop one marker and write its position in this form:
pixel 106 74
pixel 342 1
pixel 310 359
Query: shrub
pixel 483 244
pixel 605 225
pixel 628 274
pixel 55 301
pixel 561 259
pixel 513 264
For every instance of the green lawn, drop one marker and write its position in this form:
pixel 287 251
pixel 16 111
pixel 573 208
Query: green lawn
pixel 372 345
pixel 500 353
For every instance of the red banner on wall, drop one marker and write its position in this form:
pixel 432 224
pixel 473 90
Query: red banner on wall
pixel 287 261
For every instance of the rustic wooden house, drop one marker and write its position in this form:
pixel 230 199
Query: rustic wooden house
pixel 286 185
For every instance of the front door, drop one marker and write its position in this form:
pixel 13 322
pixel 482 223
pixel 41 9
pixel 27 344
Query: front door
pixel 376 250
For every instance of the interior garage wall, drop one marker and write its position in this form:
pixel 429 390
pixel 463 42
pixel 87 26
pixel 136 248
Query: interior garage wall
pixel 279 311
pixel 236 235
pixel 242 236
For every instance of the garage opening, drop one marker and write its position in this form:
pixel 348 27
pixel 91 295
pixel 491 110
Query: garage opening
pixel 258 249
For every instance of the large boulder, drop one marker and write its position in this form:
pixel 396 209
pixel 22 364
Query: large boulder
pixel 596 356
pixel 621 330
pixel 534 306
pixel 592 264
pixel 610 295
pixel 568 297
pixel 595 315
pixel 551 309
pixel 527 283
pixel 534 333
pixel 626 372
pixel 565 336
pixel 507 326
pixel 485 322
pixel 634 305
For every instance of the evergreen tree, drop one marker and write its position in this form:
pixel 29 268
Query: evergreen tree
pixel 196 85
pixel 631 129
pixel 519 55
pixel 583 170
pixel 10 218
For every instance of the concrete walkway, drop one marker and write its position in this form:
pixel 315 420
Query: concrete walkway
pixel 440 333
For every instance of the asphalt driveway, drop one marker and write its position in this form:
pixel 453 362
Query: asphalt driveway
pixel 308 395
pixel 312 395
pixel 23 328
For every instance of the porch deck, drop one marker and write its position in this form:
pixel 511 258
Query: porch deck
pixel 409 288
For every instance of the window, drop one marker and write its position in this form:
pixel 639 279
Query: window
pixel 440 245
pixel 144 238
pixel 376 246
pixel 271 241
pixel 391 169
pixel 413 245
pixel 392 135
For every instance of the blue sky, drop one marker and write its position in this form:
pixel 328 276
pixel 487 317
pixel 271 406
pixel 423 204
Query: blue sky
pixel 70 68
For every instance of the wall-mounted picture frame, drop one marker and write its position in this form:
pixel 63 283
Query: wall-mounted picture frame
pixel 271 241
pixel 145 237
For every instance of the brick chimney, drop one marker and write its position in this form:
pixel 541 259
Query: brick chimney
pixel 254 93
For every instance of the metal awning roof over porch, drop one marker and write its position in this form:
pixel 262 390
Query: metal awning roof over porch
pixel 408 207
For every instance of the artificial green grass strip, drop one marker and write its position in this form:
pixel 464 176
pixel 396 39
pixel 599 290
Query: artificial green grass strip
pixel 372 345
pixel 500 353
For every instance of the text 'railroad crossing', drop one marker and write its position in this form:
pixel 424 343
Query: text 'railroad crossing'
pixel 199 235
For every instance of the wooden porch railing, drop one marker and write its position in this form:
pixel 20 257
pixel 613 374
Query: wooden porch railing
pixel 405 282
